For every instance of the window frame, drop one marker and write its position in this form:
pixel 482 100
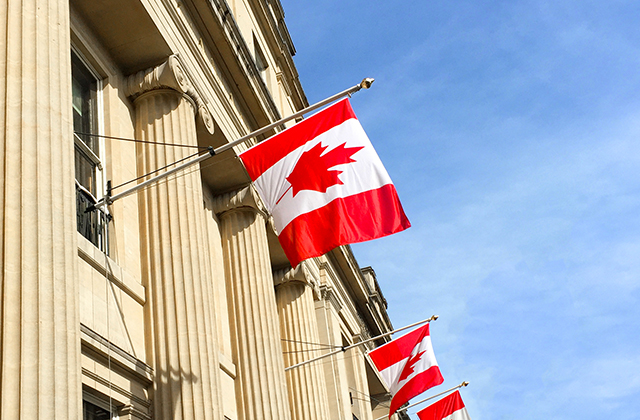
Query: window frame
pixel 96 159
pixel 102 403
pixel 94 226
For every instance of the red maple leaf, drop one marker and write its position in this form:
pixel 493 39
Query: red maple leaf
pixel 313 169
pixel 408 368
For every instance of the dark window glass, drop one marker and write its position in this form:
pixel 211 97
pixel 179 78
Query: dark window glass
pixel 84 121
pixel 84 104
pixel 93 412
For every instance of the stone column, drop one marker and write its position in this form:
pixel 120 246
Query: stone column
pixel 301 341
pixel 328 309
pixel 177 267
pixel 260 384
pixel 39 319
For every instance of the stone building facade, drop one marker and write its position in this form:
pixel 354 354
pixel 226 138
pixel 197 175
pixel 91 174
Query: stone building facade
pixel 178 303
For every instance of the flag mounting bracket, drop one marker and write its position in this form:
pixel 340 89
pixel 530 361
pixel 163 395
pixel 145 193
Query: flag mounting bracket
pixel 107 200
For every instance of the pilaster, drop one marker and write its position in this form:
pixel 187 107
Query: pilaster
pixel 39 320
pixel 261 382
pixel 177 265
pixel 301 341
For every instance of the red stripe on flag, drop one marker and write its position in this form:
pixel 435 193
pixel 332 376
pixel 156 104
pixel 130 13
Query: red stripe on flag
pixel 443 408
pixel 416 386
pixel 264 155
pixel 392 352
pixel 368 215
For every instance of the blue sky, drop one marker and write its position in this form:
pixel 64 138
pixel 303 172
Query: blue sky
pixel 511 130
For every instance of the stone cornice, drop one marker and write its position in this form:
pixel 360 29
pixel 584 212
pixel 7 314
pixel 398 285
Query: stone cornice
pixel 168 75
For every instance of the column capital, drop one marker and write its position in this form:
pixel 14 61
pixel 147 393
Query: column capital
pixel 168 75
pixel 244 198
pixel 301 274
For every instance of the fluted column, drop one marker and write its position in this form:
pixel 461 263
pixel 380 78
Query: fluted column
pixel 301 341
pixel 260 384
pixel 39 321
pixel 177 267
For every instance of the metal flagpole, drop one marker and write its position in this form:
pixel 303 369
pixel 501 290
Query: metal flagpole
pixel 343 349
pixel 426 399
pixel 108 200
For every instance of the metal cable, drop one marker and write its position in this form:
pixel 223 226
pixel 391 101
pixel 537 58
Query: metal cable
pixel 139 141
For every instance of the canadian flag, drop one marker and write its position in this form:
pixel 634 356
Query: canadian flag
pixel 450 407
pixel 324 184
pixel 408 366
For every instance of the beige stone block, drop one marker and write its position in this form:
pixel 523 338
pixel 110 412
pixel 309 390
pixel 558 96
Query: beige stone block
pixel 228 395
pixel 133 313
pixel 86 293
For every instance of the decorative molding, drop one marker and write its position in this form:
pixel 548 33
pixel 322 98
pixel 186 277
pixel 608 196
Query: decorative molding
pixel 104 348
pixel 168 75
pixel 329 295
pixel 302 274
pixel 365 333
pixel 132 412
pixel 288 274
pixel 105 382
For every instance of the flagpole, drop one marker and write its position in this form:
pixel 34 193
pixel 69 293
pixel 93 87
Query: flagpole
pixel 108 200
pixel 426 399
pixel 343 349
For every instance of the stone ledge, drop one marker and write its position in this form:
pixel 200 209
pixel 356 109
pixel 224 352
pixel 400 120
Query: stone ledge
pixel 96 259
pixel 227 366
pixel 94 343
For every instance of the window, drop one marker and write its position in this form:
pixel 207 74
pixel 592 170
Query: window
pixel 88 167
pixel 261 61
pixel 85 94
pixel 91 411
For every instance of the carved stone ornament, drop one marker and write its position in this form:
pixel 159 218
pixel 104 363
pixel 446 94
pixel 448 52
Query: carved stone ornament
pixel 169 75
pixel 246 197
pixel 301 274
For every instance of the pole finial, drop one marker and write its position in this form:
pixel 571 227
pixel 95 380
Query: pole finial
pixel 434 317
pixel 465 383
pixel 367 82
